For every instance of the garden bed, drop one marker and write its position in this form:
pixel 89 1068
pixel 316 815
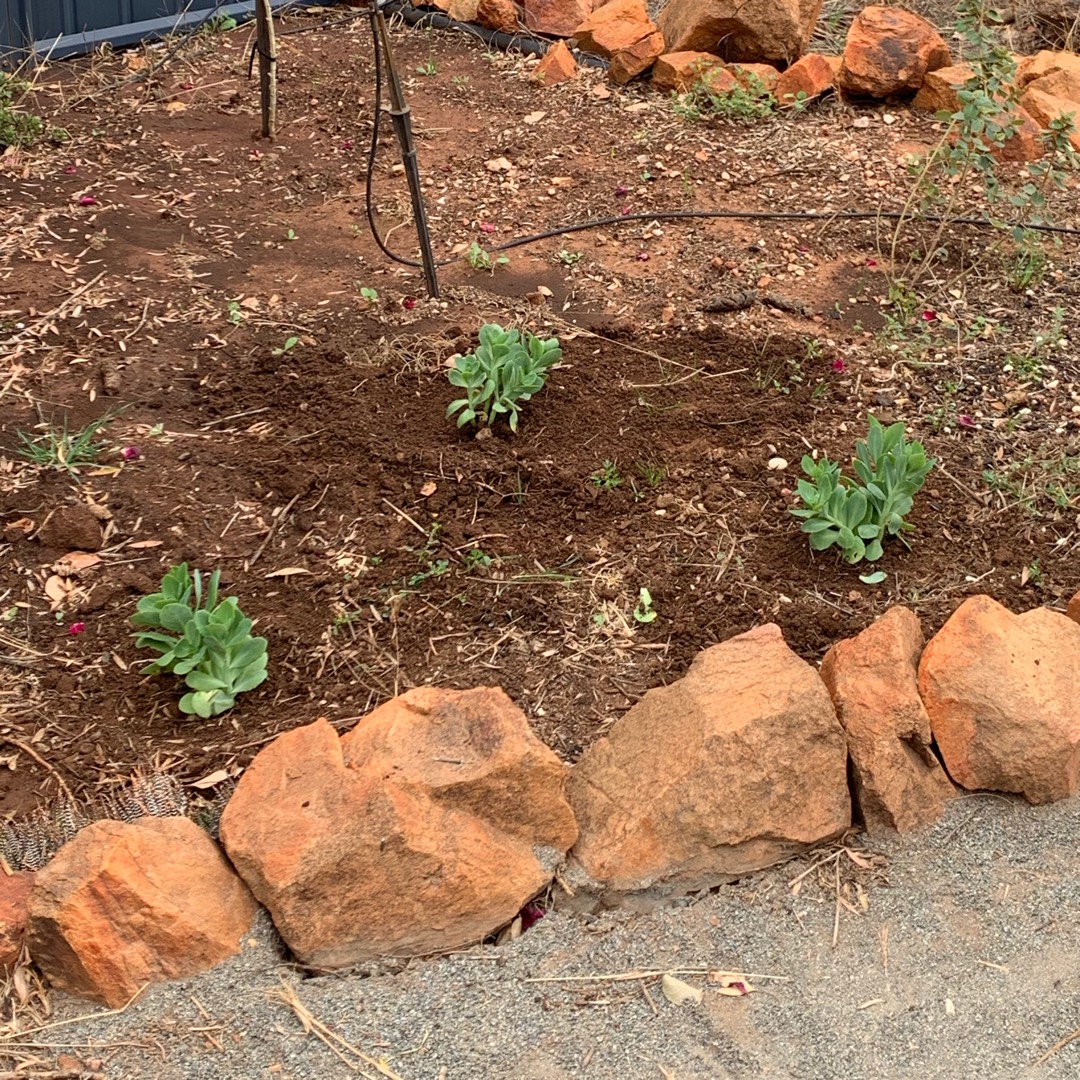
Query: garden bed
pixel 159 261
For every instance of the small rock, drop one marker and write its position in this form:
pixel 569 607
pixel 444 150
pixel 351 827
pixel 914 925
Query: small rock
pixel 939 91
pixel 559 18
pixel 127 903
pixel 622 31
pixel 1000 690
pixel 678 71
pixel 558 65
pixel 71 528
pixel 501 15
pixel 813 75
pixel 777 463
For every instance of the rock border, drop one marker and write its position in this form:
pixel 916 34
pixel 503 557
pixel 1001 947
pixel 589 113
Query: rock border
pixel 440 818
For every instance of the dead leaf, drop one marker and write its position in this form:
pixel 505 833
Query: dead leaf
pixel 679 992
pixel 76 561
pixel 140 544
pixel 288 571
pixel 212 780
pixel 57 590
pixel 731 985
pixel 105 470
pixel 499 164
pixel 176 107
pixel 601 91
pixel 534 117
pixel 22 987
pixel 429 489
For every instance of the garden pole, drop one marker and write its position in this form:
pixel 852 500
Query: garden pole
pixel 399 114
pixel 266 45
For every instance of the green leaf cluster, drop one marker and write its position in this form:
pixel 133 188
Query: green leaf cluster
pixel 858 516
pixel 507 368
pixel 207 641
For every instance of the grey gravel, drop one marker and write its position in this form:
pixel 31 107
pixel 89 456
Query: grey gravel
pixel 979 919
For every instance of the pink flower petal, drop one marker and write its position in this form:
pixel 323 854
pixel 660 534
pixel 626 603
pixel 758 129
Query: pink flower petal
pixel 487 227
pixel 871 262
pixel 131 453
pixel 87 200
pixel 626 209
pixel 76 628
pixel 643 256
pixel 621 190
pixel 408 303
pixel 838 366
pixel 929 316
pixel 70 169
pixel 965 421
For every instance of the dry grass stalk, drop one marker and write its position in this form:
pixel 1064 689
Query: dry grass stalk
pixel 335 1043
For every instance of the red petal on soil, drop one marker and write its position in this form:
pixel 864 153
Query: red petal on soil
pixel 76 628
pixel 838 366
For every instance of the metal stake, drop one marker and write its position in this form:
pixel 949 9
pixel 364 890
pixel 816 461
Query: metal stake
pixel 400 115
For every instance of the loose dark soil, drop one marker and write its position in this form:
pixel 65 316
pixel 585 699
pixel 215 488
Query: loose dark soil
pixel 157 262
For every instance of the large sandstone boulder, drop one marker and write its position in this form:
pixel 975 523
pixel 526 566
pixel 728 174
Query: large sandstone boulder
pixel 425 828
pixel 873 679
pixel 738 765
pixel 1044 108
pixel 888 53
pixel 14 913
pixel 1001 692
pixel 127 903
pixel 754 30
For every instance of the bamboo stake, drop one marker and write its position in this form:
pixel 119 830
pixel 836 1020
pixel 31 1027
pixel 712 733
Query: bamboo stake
pixel 266 44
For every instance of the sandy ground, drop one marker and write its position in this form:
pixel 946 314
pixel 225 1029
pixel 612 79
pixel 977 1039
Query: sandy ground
pixel 961 959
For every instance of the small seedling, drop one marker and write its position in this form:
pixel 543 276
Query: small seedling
pixel 651 472
pixel 461 80
pixel 63 449
pixel 219 24
pixel 857 517
pixel 477 559
pixel 479 259
pixel 607 476
pixel 568 258
pixel 506 369
pixel 236 313
pixel 369 294
pixel 427 68
pixel 643 611
pixel 207 642
pixel 292 234
pixel 290 344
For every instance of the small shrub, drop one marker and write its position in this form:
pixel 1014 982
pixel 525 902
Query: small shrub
pixel 17 128
pixel 857 517
pixel 207 642
pixel 506 369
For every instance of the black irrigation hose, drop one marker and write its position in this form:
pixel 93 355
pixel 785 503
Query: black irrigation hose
pixel 522 43
pixel 414 17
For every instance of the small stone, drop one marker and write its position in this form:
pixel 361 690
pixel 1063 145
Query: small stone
pixel 558 66
pixel 777 463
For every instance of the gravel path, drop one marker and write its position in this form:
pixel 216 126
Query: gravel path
pixel 965 964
